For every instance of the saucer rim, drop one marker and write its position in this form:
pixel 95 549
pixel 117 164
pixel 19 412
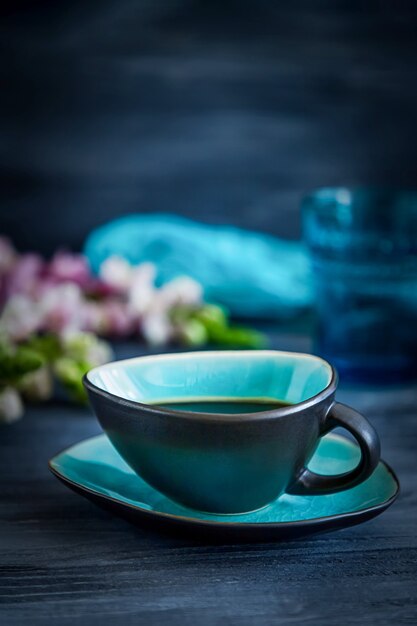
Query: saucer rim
pixel 315 522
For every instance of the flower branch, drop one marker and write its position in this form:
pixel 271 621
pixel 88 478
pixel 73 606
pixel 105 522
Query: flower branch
pixel 53 316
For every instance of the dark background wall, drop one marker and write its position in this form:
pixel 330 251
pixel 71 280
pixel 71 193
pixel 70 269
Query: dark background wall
pixel 224 111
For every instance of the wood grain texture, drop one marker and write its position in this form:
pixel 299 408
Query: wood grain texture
pixel 222 111
pixel 64 561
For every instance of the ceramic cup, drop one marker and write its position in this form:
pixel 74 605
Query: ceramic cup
pixel 227 463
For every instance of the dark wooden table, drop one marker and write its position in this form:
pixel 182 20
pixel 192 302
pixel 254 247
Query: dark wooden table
pixel 64 561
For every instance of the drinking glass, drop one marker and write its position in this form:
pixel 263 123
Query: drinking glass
pixel 363 250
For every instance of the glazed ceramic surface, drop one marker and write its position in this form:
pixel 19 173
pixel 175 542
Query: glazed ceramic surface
pixel 96 470
pixel 220 462
pixel 286 376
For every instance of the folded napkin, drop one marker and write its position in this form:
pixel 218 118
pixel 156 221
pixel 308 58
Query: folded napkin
pixel 252 274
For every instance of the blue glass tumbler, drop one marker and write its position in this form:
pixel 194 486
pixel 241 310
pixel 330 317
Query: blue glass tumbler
pixel 363 250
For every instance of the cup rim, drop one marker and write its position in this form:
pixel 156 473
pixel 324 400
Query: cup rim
pixel 214 417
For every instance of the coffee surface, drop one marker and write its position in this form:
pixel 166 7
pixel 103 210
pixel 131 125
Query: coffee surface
pixel 224 405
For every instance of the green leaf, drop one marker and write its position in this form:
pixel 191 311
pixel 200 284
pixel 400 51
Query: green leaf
pixel 212 315
pixel 70 374
pixel 16 362
pixel 193 333
pixel 48 345
pixel 238 337
pixel 219 330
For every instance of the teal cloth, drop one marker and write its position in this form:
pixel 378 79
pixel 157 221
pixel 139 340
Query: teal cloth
pixel 252 274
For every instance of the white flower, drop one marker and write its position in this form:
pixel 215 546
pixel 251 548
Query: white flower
pixel 37 385
pixel 11 406
pixel 86 347
pixel 142 289
pixel 21 316
pixel 99 353
pixel 156 328
pixel 154 305
pixel 94 318
pixel 180 291
pixel 117 273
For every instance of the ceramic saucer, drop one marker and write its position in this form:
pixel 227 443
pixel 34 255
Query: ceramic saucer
pixel 94 469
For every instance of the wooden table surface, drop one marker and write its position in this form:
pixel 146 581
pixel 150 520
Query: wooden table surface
pixel 65 561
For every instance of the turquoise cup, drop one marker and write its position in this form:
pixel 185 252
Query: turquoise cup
pixel 223 462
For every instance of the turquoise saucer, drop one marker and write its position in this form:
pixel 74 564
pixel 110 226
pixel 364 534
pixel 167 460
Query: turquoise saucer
pixel 94 469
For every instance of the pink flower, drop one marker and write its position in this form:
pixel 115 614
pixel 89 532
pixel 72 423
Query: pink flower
pixel 67 267
pixel 62 308
pixel 25 275
pixel 119 320
pixel 8 258
pixel 100 289
pixel 93 317
pixel 8 255
pixel 111 317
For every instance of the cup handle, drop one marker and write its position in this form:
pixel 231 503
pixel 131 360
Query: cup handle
pixel 309 483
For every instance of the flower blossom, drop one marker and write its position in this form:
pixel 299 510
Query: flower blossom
pixel 117 273
pixel 85 347
pixel 111 317
pixel 142 291
pixel 61 308
pixel 8 255
pixel 20 317
pixel 66 267
pixel 38 385
pixel 156 324
pixel 11 406
pixel 25 275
